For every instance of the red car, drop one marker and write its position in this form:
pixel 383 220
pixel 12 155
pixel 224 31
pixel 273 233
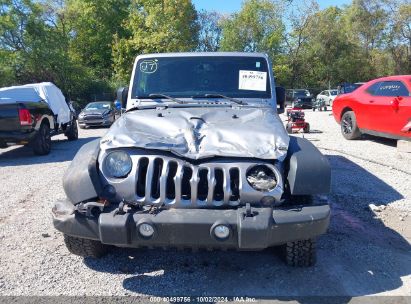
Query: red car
pixel 381 107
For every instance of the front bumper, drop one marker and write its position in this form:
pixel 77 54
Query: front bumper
pixel 95 122
pixel 194 227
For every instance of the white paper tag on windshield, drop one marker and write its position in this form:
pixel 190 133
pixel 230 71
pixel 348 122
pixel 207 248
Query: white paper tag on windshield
pixel 252 80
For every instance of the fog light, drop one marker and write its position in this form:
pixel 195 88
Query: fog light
pixel 146 230
pixel 221 232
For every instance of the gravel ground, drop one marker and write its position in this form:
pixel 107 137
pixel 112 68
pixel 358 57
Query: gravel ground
pixel 366 251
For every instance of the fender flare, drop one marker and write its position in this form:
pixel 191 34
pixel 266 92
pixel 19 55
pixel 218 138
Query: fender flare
pixel 81 181
pixel 308 171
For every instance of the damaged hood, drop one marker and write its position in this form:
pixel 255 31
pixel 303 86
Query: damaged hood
pixel 197 133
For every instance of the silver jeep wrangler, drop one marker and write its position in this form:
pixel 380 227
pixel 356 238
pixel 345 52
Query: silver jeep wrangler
pixel 200 159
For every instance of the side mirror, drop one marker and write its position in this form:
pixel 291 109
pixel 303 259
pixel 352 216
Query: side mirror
pixel 280 93
pixel 122 94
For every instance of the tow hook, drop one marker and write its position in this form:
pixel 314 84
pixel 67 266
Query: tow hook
pixel 88 207
pixel 248 211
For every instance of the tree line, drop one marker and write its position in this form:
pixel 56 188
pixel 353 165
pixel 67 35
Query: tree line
pixel 87 47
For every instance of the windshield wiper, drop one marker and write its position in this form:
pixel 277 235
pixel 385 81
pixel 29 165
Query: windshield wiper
pixel 214 95
pixel 154 95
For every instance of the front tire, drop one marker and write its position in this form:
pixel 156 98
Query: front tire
pixel 72 133
pixel 289 128
pixel 85 247
pixel 42 141
pixel 300 253
pixel 349 127
pixel 307 128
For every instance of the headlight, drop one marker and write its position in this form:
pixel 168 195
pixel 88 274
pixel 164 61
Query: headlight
pixel 118 164
pixel 261 178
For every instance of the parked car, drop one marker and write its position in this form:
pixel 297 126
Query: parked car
pixel 199 159
pixel 100 113
pixel 381 107
pixel 348 87
pixel 328 97
pixel 300 98
pixel 32 114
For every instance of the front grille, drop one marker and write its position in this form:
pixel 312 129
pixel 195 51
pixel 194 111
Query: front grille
pixel 176 182
pixel 93 117
pixel 306 100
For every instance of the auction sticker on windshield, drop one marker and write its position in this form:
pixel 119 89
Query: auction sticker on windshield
pixel 252 80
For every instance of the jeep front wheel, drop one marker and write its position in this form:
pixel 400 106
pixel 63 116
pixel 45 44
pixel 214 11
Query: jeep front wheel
pixel 300 253
pixel 349 127
pixel 85 247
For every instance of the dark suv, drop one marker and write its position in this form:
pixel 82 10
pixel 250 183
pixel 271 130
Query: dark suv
pixel 300 98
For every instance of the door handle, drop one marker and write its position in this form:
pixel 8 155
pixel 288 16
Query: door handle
pixel 395 103
pixel 371 101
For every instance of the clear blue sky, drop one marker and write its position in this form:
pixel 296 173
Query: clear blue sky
pixel 230 6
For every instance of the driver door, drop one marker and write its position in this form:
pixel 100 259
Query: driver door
pixel 389 107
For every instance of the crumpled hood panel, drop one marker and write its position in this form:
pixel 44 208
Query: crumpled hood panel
pixel 197 133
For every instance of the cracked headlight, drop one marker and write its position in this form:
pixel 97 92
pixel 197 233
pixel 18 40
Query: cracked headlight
pixel 118 164
pixel 261 178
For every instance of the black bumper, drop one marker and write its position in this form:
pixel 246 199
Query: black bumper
pixel 16 137
pixel 194 227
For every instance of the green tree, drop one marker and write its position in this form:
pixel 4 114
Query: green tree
pixel 209 36
pixel 399 35
pixel 333 57
pixel 32 48
pixel 258 27
pixel 365 27
pixel 301 17
pixel 93 25
pixel 155 26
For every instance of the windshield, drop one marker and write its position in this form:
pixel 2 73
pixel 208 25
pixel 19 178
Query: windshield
pixel 301 93
pixel 98 106
pixel 179 77
pixel 333 92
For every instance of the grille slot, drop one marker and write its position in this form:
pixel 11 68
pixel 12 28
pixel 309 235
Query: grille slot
pixel 185 183
pixel 234 184
pixel 202 188
pixel 141 177
pixel 155 183
pixel 170 186
pixel 219 187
